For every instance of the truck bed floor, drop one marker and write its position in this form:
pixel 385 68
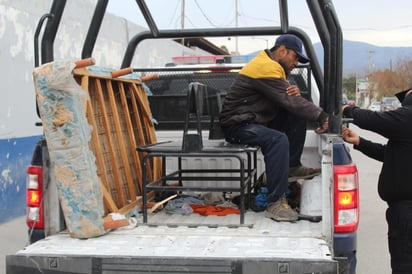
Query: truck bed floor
pixel 196 236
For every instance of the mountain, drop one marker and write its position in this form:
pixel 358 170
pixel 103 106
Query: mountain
pixel 360 58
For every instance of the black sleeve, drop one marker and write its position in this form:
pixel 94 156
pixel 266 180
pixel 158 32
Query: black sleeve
pixel 373 150
pixel 348 112
pixel 390 124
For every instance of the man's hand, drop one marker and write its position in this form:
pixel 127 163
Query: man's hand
pixel 293 90
pixel 323 127
pixel 350 136
pixel 323 122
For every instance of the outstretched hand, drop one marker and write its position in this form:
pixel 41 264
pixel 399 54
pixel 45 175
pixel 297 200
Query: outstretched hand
pixel 350 136
pixel 343 108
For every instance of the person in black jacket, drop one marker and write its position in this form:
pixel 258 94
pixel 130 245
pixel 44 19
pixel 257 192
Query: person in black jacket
pixel 395 179
pixel 262 108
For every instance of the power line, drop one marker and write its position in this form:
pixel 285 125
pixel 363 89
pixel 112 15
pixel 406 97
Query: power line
pixel 204 15
pixel 379 29
pixel 190 21
pixel 174 17
pixel 210 21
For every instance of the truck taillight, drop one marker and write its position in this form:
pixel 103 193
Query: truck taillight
pixel 346 198
pixel 34 197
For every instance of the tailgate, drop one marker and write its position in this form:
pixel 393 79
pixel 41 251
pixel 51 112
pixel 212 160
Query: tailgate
pixel 119 265
pixel 265 247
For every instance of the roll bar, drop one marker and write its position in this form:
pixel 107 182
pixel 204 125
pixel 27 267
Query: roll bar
pixel 324 16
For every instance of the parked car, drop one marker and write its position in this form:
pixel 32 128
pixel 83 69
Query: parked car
pixel 390 103
pixel 375 106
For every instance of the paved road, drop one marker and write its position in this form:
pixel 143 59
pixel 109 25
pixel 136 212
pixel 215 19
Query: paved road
pixel 13 236
pixel 373 256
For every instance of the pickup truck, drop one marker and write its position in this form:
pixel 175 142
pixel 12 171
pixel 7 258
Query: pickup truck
pixel 327 245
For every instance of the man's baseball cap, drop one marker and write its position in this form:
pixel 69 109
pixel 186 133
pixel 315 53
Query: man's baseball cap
pixel 292 42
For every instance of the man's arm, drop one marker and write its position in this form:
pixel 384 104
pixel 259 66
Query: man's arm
pixel 275 90
pixel 370 149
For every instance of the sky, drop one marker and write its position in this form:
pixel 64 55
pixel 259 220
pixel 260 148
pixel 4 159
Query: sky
pixel 377 22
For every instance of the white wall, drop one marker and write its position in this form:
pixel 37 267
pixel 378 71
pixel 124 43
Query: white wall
pixel 18 133
pixel 18 21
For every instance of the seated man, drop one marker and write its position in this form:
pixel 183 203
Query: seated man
pixel 263 109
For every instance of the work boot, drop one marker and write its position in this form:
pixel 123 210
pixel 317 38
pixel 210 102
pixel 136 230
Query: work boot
pixel 302 172
pixel 280 211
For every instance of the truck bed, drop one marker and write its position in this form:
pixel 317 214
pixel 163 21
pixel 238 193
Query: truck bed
pixel 174 243
pixel 296 246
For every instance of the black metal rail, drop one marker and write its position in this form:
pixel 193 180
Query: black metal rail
pixel 329 80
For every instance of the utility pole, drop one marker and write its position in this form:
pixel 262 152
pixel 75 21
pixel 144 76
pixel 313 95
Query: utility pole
pixel 236 22
pixel 371 69
pixel 371 62
pixel 182 19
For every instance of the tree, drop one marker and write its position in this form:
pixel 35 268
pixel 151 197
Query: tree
pixel 389 81
pixel 223 47
pixel 349 87
pixel 385 83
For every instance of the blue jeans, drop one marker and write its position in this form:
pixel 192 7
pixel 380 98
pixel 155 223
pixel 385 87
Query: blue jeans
pixel 286 131
pixel 295 128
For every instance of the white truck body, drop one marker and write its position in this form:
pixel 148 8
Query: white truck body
pixel 172 243
pixel 218 244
